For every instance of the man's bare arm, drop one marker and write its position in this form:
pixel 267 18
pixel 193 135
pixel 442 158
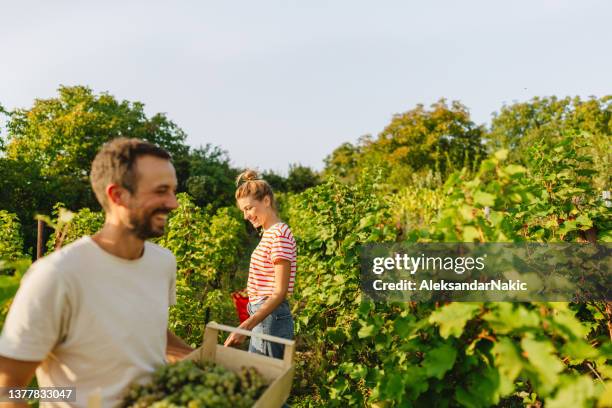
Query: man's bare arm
pixel 176 348
pixel 16 373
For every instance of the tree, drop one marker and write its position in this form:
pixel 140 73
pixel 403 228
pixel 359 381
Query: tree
pixel 3 112
pixel 520 125
pixel 276 181
pixel 301 178
pixel 343 162
pixel 48 149
pixel 547 122
pixel 62 135
pixel 210 177
pixel 442 138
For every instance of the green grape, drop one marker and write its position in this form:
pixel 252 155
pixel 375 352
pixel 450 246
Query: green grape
pixel 197 385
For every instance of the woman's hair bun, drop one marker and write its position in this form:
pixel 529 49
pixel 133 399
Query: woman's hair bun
pixel 247 175
pixel 249 184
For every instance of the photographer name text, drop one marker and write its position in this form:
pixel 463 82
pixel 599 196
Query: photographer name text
pixel 431 285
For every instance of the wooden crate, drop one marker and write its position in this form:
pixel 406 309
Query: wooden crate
pixel 278 373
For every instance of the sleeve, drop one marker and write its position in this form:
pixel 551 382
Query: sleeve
pixel 283 248
pixel 172 287
pixel 33 326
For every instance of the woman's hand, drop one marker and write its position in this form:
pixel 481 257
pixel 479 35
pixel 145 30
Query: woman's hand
pixel 236 339
pixel 282 270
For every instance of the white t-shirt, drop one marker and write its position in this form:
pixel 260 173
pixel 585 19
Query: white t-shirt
pixel 96 321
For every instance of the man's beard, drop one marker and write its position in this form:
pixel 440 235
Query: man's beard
pixel 142 226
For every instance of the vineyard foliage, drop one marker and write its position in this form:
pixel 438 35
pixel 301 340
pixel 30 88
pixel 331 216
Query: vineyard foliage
pixel 544 183
pixel 11 239
pixel 69 226
pixel 473 354
pixel 208 249
pixel 12 259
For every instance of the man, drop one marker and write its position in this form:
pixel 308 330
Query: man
pixel 94 315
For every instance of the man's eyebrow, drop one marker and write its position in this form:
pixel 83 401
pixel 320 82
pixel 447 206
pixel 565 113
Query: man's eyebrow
pixel 166 186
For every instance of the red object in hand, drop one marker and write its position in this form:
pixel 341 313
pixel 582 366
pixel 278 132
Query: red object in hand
pixel 241 299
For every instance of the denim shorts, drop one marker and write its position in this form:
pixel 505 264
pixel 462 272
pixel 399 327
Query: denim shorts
pixel 278 323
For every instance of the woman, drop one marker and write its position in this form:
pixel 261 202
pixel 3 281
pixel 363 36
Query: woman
pixel 271 271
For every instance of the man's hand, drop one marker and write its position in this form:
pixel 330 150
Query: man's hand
pixel 176 348
pixel 16 373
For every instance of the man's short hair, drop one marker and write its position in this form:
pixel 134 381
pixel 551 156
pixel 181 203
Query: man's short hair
pixel 114 164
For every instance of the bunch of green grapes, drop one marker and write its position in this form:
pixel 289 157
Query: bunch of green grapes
pixel 196 385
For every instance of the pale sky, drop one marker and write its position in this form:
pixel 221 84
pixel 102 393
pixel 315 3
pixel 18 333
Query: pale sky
pixel 279 82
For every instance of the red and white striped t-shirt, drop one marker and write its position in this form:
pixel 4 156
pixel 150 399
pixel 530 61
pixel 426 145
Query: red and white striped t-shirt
pixel 277 243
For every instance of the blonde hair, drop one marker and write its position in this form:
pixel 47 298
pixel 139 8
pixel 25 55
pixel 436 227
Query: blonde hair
pixel 251 185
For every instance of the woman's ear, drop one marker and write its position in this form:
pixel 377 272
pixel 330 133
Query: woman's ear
pixel 267 202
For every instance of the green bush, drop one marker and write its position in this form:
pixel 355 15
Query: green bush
pixel 69 226
pixel 11 239
pixel 207 249
pixel 459 354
